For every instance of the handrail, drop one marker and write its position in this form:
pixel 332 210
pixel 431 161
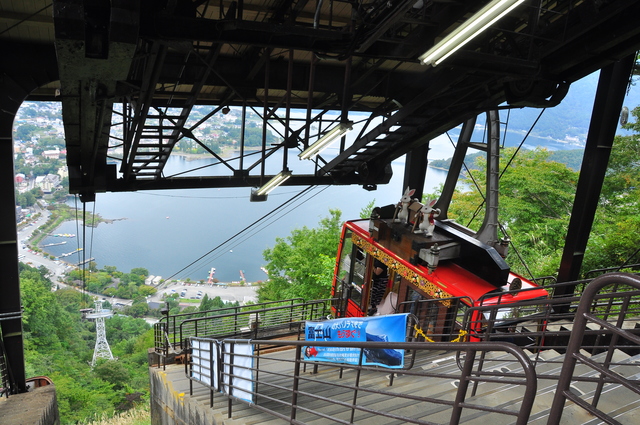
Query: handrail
pixel 174 320
pixel 219 372
pixel 635 266
pixel 252 322
pixel 5 378
pixel 425 312
pixel 234 308
pixel 584 315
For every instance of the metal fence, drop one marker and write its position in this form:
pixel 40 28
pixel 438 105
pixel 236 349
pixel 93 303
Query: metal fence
pixel 582 348
pixel 598 330
pixel 265 320
pixel 7 383
pixel 278 383
pixel 170 323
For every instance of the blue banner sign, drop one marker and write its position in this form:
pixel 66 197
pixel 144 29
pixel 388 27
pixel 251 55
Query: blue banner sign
pixel 389 328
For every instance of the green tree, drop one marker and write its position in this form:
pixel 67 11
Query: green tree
pixel 302 264
pixel 140 271
pixel 211 303
pixel 24 131
pixel 113 372
pixel 535 201
pixel 613 240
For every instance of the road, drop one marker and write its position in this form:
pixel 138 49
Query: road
pixel 56 269
pixel 241 294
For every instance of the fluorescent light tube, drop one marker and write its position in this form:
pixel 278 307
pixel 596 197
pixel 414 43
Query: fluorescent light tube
pixel 326 140
pixel 473 26
pixel 276 181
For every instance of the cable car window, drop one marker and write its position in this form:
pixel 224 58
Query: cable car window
pixel 357 275
pixel 351 273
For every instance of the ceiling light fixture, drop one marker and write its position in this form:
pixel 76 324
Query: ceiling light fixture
pixel 473 26
pixel 276 181
pixel 325 140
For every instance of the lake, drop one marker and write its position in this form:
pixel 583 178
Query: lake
pixel 183 232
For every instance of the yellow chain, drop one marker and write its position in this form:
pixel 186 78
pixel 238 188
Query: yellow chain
pixel 419 332
pixel 461 336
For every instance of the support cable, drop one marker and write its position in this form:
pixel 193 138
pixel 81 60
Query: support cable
pixel 284 204
pixel 84 252
pixel 26 19
pixel 273 220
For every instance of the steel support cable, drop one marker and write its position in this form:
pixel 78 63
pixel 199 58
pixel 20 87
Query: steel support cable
pixel 506 167
pixel 284 204
pixel 93 226
pixel 84 251
pixel 26 19
pixel 78 241
pixel 252 234
pixel 273 220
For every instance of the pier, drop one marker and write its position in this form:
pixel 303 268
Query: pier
pixel 70 253
pixel 53 244
pixel 85 261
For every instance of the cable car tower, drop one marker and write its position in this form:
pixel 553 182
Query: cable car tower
pixel 102 349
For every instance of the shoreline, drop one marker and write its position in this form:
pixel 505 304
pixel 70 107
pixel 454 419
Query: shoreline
pixel 188 281
pixel 226 153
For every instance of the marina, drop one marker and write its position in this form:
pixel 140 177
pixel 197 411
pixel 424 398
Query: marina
pixel 70 253
pixel 88 260
pixel 54 244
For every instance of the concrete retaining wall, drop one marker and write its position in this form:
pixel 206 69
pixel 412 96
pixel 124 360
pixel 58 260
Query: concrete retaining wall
pixel 37 407
pixel 171 405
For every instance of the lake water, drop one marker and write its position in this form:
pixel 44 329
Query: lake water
pixel 166 231
pixel 184 233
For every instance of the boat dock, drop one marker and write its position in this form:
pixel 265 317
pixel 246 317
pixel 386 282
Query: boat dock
pixel 53 244
pixel 85 261
pixel 70 253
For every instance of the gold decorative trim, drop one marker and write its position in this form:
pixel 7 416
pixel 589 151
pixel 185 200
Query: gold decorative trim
pixel 392 263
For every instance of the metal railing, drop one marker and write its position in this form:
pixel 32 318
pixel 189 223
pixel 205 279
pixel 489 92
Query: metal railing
pixel 272 319
pixel 171 323
pixel 437 320
pixel 5 383
pixel 256 322
pixel 584 347
pixel 611 321
pixel 598 329
pixel 275 382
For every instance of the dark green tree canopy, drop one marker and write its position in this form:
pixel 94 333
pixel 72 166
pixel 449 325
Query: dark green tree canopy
pixel 302 264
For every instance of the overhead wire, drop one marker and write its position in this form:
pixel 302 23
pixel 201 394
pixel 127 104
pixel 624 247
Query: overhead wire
pixel 21 21
pixel 279 207
pixel 84 251
pixel 273 220
pixel 83 298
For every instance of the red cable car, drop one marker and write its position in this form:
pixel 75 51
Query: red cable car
pixel 449 264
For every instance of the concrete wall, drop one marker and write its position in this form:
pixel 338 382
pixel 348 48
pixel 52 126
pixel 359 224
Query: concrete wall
pixel 37 407
pixel 173 405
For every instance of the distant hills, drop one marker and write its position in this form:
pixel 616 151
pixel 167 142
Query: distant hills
pixel 572 117
pixel 562 130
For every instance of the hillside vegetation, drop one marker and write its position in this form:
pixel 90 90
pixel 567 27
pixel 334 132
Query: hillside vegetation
pixel 60 344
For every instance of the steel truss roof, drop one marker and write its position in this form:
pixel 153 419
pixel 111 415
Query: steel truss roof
pixel 131 73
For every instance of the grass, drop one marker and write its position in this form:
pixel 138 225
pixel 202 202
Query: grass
pixel 140 415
